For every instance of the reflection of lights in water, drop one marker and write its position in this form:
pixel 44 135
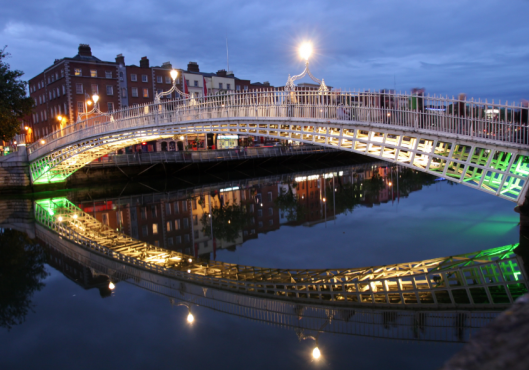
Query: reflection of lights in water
pixel 111 286
pixel 188 271
pixel 190 260
pixel 316 353
pixel 190 318
pixel 60 219
pixel 75 217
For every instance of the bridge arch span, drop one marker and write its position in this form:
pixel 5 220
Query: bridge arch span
pixel 414 139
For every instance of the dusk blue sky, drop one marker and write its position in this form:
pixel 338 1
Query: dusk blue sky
pixel 477 47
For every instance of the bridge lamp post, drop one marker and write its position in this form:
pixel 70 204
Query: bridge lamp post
pixel 174 75
pixel 95 99
pixel 305 51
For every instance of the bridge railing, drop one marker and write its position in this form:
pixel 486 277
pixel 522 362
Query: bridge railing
pixel 475 119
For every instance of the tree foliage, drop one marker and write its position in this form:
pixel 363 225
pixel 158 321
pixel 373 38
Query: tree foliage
pixel 21 273
pixel 14 104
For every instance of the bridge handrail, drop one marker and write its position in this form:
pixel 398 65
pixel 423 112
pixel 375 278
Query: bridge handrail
pixel 475 119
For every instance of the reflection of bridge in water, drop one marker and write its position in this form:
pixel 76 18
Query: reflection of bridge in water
pixel 489 279
pixel 308 319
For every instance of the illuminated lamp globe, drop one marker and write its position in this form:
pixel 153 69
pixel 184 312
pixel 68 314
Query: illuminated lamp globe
pixel 89 102
pixel 95 98
pixel 174 74
pixel 59 118
pixel 305 50
pixel 190 318
pixel 43 142
pixel 26 128
pixel 316 353
pixel 111 286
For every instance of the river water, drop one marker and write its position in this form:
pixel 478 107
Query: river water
pixel 60 314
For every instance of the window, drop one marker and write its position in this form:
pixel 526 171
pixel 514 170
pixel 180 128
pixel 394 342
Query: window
pixel 154 229
pixel 259 212
pixel 269 196
pixel 110 106
pixel 56 76
pixel 119 217
pixel 123 92
pixel 50 95
pixel 38 84
pixel 134 92
pixel 170 241
pixel 65 109
pixel 95 89
pixel 195 220
pixel 194 203
pixel 145 230
pixel 228 86
pixel 80 107
pixel 79 88
pixel 134 77
pixel 145 93
pixel 159 79
pixel 245 232
pixel 245 88
pixel 251 208
pixel 206 244
pixel 93 73
pixel 144 78
pixel 58 92
pixel 62 72
pixel 195 234
pixel 175 206
pixel 110 90
pixel 63 89
pixel 270 222
pixel 187 82
pixel 260 224
pixel 108 74
pixel 48 80
pixel 184 206
pixel 104 219
pixel 186 223
pixel 169 226
pixel 154 211
pixel 167 80
pixel 195 83
pixel 178 239
pixel 186 238
pixel 177 224
pixel 143 213
pixel 220 86
pixel 270 211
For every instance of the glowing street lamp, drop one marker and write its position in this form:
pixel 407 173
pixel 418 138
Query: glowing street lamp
pixel 305 51
pixel 174 75
pixel 316 354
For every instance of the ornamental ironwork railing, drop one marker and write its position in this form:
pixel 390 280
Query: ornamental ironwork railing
pixel 476 119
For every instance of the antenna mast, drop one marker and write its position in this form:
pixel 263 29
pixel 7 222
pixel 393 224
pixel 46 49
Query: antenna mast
pixel 227 53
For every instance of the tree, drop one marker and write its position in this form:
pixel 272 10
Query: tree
pixel 14 104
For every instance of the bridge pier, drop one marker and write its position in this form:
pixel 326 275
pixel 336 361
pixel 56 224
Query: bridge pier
pixel 14 172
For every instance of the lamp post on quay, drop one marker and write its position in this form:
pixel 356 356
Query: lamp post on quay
pixel 305 52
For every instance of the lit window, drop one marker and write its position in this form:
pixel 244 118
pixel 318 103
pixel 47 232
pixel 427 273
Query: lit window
pixel 79 88
pixel 133 77
pixel 155 229
pixel 169 226
pixel 134 92
pixel 110 90
pixel 145 93
pixel 144 78
pixel 159 79
pixel 108 74
pixel 95 89
pixel 93 73
pixel 177 224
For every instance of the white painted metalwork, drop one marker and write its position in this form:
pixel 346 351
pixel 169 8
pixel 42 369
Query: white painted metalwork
pixel 485 146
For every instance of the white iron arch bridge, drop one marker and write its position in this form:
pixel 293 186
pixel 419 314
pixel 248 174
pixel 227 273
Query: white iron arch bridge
pixel 482 145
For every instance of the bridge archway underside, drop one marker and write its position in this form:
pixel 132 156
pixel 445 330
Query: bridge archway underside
pixel 489 278
pixel 498 169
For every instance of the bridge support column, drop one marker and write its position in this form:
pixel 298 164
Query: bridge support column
pixel 14 172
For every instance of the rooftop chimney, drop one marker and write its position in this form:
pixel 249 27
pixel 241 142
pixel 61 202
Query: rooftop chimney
pixel 144 62
pixel 192 67
pixel 221 73
pixel 84 50
pixel 120 59
pixel 167 65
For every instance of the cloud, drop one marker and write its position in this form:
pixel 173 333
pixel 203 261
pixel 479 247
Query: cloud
pixel 447 47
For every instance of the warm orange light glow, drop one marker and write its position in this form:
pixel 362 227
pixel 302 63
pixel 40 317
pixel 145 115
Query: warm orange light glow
pixel 89 102
pixel 111 286
pixel 316 353
pixel 42 142
pixel 324 200
pixel 174 74
pixel 26 128
pixel 190 318
pixel 59 118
